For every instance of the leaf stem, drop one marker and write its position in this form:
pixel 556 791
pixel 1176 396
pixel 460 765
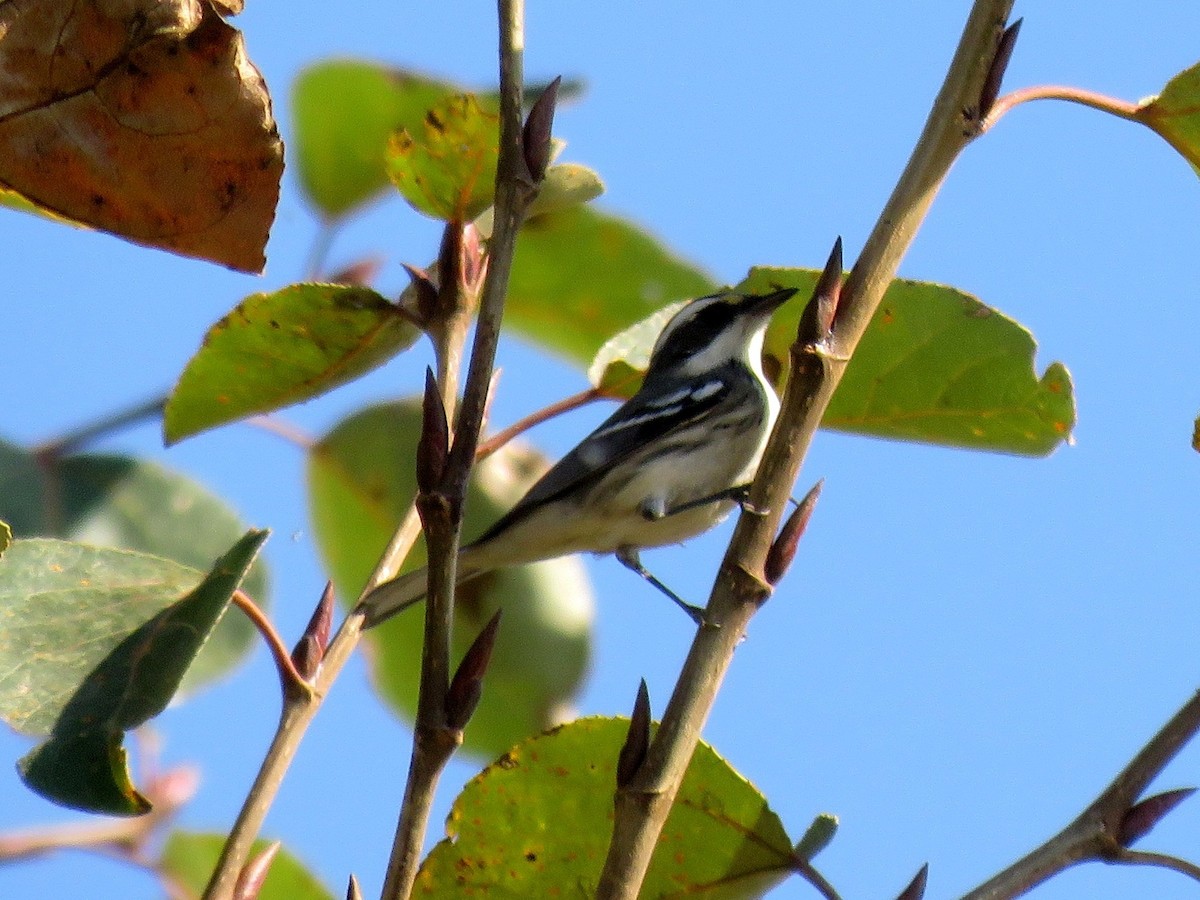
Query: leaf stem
pixel 641 807
pixel 567 404
pixel 77 438
pixel 1162 861
pixel 290 679
pixel 1122 109
pixel 318 253
pixel 818 881
pixel 435 739
pixel 283 429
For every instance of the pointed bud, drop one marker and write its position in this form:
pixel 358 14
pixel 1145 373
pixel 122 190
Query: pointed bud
pixel 816 322
pixel 466 687
pixel 916 887
pixel 538 127
pixel 995 76
pixel 783 550
pixel 426 292
pixel 250 880
pixel 434 445
pixel 362 272
pixel 310 649
pixel 817 837
pixel 637 740
pixel 448 262
pixel 1140 818
pixel 353 891
pixel 473 262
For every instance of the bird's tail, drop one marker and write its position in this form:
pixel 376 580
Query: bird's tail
pixel 400 593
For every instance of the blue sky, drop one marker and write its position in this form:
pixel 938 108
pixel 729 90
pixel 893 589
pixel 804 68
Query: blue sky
pixel 969 646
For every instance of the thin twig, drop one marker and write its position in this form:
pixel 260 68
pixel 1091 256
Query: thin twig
pixel 1123 109
pixel 433 742
pixel 567 404
pixel 642 806
pixel 75 439
pixel 281 428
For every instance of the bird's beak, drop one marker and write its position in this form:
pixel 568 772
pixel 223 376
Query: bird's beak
pixel 768 303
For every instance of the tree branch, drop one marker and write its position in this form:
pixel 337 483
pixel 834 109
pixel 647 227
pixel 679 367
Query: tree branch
pixel 642 805
pixel 435 738
pixel 1094 834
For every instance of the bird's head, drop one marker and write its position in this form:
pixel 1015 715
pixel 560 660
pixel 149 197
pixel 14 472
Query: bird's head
pixel 711 331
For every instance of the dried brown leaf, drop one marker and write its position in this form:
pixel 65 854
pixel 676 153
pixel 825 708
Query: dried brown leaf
pixel 144 118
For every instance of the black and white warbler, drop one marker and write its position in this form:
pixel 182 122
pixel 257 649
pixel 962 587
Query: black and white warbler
pixel 669 464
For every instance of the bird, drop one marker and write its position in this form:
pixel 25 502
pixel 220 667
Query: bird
pixel 670 463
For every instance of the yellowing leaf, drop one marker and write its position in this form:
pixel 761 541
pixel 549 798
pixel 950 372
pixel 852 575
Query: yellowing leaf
pixel 447 169
pixel 345 111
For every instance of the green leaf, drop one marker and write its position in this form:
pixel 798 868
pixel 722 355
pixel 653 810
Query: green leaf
pixel 344 112
pixel 937 366
pixel 277 349
pixel 189 858
pixel 538 821
pixel 120 502
pixel 1175 114
pixel 565 185
pixel 447 168
pixel 95 642
pixel 617 274
pixel 361 483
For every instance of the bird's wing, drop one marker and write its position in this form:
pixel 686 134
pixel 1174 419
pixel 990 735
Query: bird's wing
pixel 643 419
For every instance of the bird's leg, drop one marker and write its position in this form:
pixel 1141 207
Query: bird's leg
pixel 628 557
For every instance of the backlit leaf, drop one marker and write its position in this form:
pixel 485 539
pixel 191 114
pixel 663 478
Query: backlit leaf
pixel 345 112
pixel 277 349
pixel 1175 114
pixel 581 275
